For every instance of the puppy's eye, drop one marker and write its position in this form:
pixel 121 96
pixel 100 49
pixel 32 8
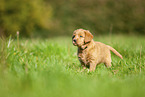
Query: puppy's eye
pixel 73 36
pixel 81 36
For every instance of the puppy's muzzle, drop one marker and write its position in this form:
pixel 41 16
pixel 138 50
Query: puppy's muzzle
pixel 74 42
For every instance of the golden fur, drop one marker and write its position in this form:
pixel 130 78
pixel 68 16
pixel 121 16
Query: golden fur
pixel 91 53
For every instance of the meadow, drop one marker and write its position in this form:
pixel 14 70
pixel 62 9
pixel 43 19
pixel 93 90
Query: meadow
pixel 50 68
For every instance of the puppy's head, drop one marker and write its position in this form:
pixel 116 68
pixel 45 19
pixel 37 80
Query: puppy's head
pixel 81 37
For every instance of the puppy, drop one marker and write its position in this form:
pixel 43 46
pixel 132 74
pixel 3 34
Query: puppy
pixel 91 53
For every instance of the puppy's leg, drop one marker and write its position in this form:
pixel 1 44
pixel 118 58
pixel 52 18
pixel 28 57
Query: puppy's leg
pixel 108 62
pixel 92 67
pixel 84 67
pixel 108 59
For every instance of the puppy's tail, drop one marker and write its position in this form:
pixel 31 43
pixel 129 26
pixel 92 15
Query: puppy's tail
pixel 115 52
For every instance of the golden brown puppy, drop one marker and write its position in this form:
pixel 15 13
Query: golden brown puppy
pixel 91 53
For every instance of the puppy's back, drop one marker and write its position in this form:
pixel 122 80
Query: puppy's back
pixel 105 49
pixel 102 51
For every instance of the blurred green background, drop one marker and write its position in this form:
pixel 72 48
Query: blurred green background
pixel 47 18
pixel 48 66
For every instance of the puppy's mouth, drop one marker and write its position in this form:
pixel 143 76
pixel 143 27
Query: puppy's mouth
pixel 74 43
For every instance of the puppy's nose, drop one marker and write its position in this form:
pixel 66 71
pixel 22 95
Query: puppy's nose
pixel 74 40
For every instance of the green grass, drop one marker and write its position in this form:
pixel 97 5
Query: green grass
pixel 50 68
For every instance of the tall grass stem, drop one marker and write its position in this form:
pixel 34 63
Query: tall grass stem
pixel 110 32
pixel 18 40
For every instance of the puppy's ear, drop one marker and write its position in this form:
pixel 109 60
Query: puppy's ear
pixel 88 36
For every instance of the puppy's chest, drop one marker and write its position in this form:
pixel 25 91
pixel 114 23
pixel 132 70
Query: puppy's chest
pixel 84 57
